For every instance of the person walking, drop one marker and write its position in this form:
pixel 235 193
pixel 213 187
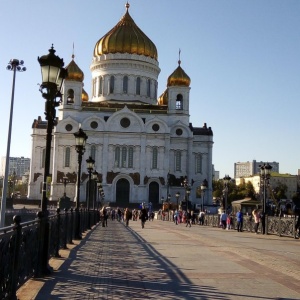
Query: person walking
pixel 201 217
pixel 127 215
pixel 188 219
pixel 143 216
pixel 223 219
pixel 256 216
pixel 239 220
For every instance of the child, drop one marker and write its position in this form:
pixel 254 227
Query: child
pixel 228 222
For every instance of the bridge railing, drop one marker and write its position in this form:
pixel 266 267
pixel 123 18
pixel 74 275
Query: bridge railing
pixel 20 246
pixel 281 226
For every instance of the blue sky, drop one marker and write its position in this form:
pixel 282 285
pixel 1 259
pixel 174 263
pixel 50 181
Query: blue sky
pixel 242 57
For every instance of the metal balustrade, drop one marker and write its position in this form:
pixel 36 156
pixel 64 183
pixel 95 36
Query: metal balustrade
pixel 20 246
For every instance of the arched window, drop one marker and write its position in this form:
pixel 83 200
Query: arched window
pixel 178 160
pixel 130 157
pixel 148 87
pixel 117 157
pixel 125 84
pixel 70 96
pixel 154 158
pixel 179 102
pixel 155 91
pixel 100 86
pixel 111 84
pixel 67 157
pixel 124 157
pixel 138 86
pixel 198 163
pixel 93 152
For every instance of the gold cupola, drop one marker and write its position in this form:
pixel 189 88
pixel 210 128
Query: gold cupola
pixel 84 96
pixel 74 72
pixel 179 77
pixel 126 37
pixel 163 98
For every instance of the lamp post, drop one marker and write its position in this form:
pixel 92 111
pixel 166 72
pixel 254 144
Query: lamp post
pixel 204 186
pixel 265 175
pixel 80 140
pixel 90 166
pixel 65 180
pixel 99 187
pixel 14 65
pixel 95 179
pixel 53 75
pixel 177 198
pixel 187 187
pixel 226 179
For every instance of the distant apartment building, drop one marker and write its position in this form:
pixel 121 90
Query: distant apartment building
pixel 19 165
pixel 250 168
pixel 290 181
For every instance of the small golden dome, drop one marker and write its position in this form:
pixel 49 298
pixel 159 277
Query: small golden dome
pixel 74 72
pixel 84 96
pixel 163 98
pixel 126 37
pixel 179 77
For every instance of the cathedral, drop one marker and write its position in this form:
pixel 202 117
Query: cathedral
pixel 144 145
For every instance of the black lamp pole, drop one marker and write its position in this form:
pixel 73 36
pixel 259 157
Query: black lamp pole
pixel 265 175
pixel 80 140
pixel 53 75
pixel 14 65
pixel 204 186
pixel 90 166
pixel 187 187
pixel 177 198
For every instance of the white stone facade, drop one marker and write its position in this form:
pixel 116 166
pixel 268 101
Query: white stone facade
pixel 135 141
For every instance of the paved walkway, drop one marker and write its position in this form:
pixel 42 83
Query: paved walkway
pixel 165 261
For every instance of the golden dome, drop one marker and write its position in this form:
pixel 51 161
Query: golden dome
pixel 126 37
pixel 84 96
pixel 163 98
pixel 179 77
pixel 74 72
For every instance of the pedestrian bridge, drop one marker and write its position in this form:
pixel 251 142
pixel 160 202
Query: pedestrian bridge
pixel 168 261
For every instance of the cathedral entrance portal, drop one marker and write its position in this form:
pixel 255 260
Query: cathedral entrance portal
pixel 154 194
pixel 122 192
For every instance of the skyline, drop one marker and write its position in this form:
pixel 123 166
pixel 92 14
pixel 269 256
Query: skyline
pixel 242 58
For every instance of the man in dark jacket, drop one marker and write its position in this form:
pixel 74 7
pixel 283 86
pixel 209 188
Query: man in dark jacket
pixel 239 220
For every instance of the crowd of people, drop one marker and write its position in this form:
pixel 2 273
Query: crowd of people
pixel 125 215
pixel 227 221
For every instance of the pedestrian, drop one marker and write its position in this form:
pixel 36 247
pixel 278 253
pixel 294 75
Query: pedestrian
pixel 256 216
pixel 128 216
pixel 143 216
pixel 223 219
pixel 228 222
pixel 201 217
pixel 239 220
pixel 176 217
pixel 188 218
pixel 104 217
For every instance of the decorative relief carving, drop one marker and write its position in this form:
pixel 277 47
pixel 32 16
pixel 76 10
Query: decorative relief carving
pixel 111 176
pixel 135 177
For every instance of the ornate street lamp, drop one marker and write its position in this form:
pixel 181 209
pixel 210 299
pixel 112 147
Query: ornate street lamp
pixel 80 140
pixel 177 198
pixel 14 65
pixel 204 186
pixel 226 180
pixel 95 179
pixel 65 180
pixel 265 175
pixel 53 75
pixel 188 188
pixel 90 166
